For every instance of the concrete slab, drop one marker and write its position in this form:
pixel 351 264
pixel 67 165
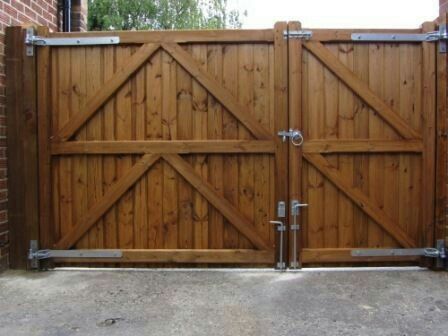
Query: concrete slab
pixel 405 302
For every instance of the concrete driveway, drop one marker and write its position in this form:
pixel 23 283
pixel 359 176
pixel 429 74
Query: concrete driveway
pixel 147 302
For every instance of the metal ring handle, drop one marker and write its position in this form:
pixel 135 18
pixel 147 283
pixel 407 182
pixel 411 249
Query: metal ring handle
pixel 297 138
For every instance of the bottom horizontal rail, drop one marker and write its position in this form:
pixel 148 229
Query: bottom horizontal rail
pixel 217 256
pixel 335 255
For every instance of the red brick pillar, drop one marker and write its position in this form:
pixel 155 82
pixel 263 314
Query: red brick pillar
pixel 79 15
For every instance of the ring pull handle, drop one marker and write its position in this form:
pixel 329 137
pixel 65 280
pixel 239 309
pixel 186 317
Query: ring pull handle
pixel 297 138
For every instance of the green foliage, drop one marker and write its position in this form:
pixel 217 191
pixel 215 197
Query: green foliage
pixel 162 14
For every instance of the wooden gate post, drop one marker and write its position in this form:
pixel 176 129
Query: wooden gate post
pixel 441 231
pixel 22 146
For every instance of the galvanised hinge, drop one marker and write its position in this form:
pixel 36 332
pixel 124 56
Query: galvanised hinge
pixel 299 34
pixel 35 255
pixel 440 36
pixel 32 40
pixel 439 253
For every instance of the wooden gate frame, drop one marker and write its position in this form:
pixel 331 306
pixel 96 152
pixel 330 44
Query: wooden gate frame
pixel 39 176
pixel 25 98
pixel 432 145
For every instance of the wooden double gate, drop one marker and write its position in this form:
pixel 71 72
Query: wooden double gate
pixel 165 145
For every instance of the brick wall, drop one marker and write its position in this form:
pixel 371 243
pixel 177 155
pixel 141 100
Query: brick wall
pixel 79 15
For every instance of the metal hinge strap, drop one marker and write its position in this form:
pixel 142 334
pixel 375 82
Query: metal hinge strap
pixel 34 254
pixel 434 36
pixel 32 40
pixel 300 34
pixel 439 252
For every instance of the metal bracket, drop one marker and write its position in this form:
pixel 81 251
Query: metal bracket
pixel 29 35
pixel 300 34
pixel 32 40
pixel 281 266
pixel 440 253
pixel 440 36
pixel 35 255
pixel 281 228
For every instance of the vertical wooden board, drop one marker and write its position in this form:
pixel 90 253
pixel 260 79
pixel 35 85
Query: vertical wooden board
pixel 261 162
pixel 44 114
pixel 93 70
pixel 154 132
pixel 441 231
pixel 65 163
pixel 330 131
pixel 429 134
pixel 185 132
pixel 272 163
pixel 346 131
pixel 391 161
pixel 230 132
pixel 416 119
pixel 281 119
pixel 407 83
pixel 376 131
pixel 123 124
pixel 295 122
pixel 200 164
pixel 55 162
pixel 361 131
pixel 304 218
pixel 315 183
pixel 169 132
pixel 110 219
pixel 215 162
pixel 140 196
pixel 246 162
pixel 78 94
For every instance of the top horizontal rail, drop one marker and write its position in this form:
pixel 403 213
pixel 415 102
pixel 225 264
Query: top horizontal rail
pixel 180 36
pixel 227 36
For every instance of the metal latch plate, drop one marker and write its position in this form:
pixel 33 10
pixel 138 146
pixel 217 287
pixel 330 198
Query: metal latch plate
pixel 300 34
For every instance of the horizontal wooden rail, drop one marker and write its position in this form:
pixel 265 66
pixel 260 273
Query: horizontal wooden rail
pixel 163 146
pixel 362 146
pixel 338 255
pixel 220 256
pixel 182 36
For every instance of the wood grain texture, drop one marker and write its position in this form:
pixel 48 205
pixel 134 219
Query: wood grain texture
pixel 98 99
pixel 23 184
pixel 220 93
pixel 86 220
pixel 362 90
pixel 362 201
pixel 227 209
